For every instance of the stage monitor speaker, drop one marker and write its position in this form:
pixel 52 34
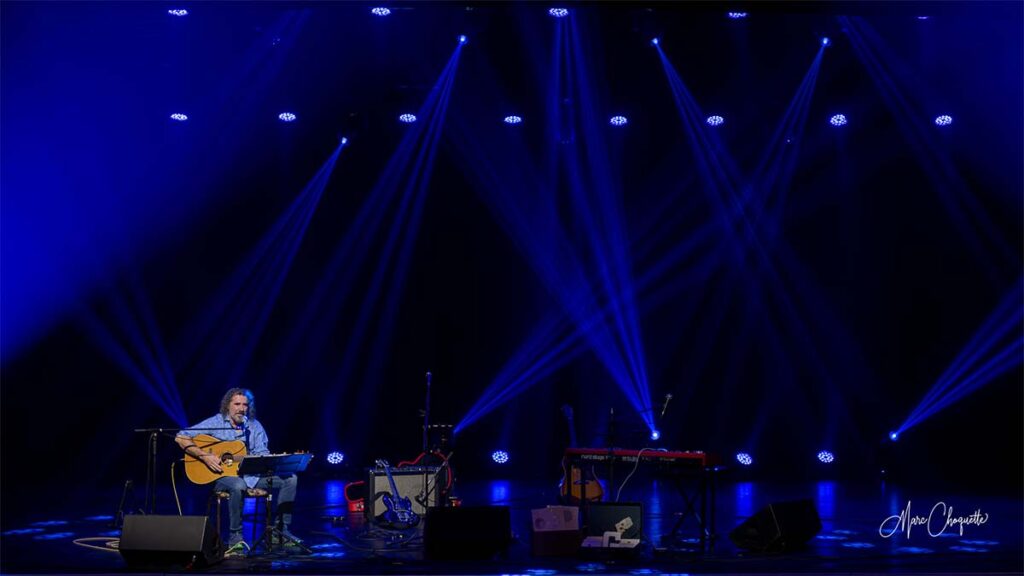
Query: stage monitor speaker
pixel 169 541
pixel 467 532
pixel 409 481
pixel 778 527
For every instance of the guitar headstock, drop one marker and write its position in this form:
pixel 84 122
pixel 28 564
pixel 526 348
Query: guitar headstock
pixel 567 412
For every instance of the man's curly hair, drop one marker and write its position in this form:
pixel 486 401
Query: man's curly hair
pixel 225 402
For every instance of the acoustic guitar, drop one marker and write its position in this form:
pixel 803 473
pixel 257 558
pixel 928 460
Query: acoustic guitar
pixel 230 452
pixel 575 481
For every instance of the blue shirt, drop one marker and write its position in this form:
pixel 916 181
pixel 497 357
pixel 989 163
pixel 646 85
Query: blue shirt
pixel 222 428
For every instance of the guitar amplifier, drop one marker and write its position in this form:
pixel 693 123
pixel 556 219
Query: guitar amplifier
pixel 409 481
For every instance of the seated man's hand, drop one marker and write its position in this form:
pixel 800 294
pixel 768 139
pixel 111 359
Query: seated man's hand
pixel 212 462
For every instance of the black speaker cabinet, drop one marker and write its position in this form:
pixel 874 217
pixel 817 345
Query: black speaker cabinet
pixel 467 532
pixel 778 527
pixel 409 481
pixel 169 541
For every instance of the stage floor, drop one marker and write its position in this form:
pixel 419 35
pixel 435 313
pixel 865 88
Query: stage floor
pixel 849 542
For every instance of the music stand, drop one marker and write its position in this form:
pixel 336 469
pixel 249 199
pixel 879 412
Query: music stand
pixel 267 467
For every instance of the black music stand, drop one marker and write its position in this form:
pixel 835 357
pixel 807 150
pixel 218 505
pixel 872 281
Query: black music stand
pixel 267 467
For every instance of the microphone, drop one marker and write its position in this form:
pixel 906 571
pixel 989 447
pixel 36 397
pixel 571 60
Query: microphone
pixel 664 406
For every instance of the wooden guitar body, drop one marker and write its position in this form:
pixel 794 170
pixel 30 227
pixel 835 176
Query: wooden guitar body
pixel 581 482
pixel 230 453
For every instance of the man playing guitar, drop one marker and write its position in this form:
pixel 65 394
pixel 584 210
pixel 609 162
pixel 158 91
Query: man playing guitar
pixel 219 443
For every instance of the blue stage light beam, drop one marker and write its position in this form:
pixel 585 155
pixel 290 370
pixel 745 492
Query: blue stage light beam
pixel 552 345
pixel 136 349
pixel 560 269
pixel 609 242
pixel 999 323
pixel 410 229
pixel 901 89
pixel 986 356
pixel 770 182
pixel 556 341
pixel 236 316
pixel 406 184
pixel 746 239
pixel 310 333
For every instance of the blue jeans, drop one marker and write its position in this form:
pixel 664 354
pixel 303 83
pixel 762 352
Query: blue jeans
pixel 236 487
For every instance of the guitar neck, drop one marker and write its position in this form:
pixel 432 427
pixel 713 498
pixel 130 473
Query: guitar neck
pixel 391 481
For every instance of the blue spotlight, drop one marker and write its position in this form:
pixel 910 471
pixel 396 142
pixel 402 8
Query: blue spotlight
pixel 499 456
pixel 922 17
pixel 944 120
pixel 655 434
pixel 736 15
pixel 744 459
pixel 826 457
pixel 655 41
pixel 335 458
pixel 380 11
pixel 618 121
pixel 715 120
pixel 462 39
pixel 837 120
pixel 513 119
pixel 178 12
pixel 894 436
pixel 179 117
pixel 825 41
pixel 407 118
pixel 558 12
pixel 286 117
pixel 344 140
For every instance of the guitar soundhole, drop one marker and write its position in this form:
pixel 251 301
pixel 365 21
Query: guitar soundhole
pixel 228 459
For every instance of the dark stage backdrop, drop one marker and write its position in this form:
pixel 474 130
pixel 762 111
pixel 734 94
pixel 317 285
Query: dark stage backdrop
pixel 104 200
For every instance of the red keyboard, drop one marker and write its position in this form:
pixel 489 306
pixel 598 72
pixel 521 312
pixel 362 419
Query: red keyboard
pixel 695 459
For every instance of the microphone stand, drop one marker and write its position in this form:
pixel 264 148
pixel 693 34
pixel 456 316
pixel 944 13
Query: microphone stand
pixel 611 447
pixel 426 444
pixel 151 445
pixel 151 448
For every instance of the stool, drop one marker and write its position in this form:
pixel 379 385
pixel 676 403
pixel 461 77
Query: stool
pixel 218 496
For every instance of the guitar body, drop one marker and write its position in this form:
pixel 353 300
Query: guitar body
pixel 581 482
pixel 230 452
pixel 398 513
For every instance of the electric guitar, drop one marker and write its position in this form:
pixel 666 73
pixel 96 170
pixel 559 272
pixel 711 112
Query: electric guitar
pixel 230 452
pixel 399 512
pixel 575 481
